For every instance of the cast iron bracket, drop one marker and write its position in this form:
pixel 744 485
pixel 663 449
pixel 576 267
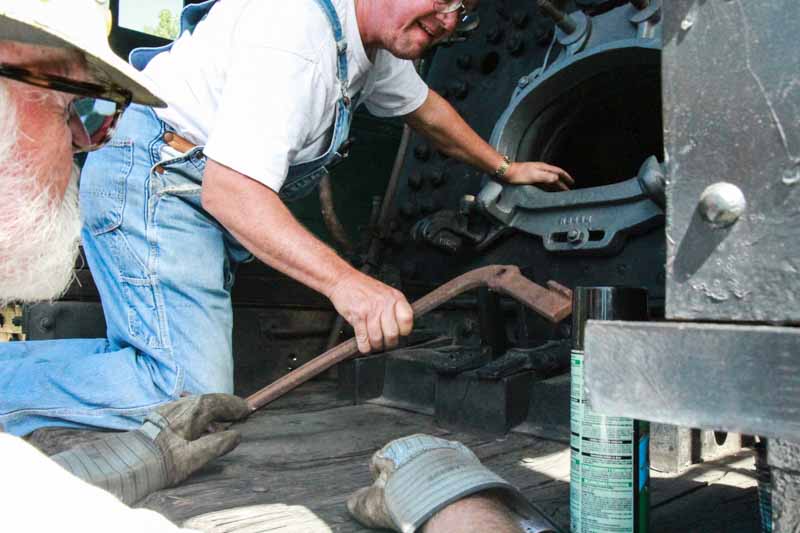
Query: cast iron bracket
pixel 593 220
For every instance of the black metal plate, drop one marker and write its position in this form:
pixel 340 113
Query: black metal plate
pixel 744 379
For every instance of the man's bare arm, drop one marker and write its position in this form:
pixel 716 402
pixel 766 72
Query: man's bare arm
pixel 260 221
pixel 437 120
pixel 474 514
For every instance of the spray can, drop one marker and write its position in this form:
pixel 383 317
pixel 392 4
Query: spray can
pixel 609 468
pixel 764 475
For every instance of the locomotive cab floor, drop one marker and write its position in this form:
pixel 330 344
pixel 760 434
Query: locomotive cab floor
pixel 303 455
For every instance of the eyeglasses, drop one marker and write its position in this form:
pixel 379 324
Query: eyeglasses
pixel 92 117
pixel 447 6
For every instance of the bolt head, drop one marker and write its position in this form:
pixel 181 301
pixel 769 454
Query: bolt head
pixel 438 178
pixel 494 35
pixel 415 181
pixel 721 204
pixel 515 45
pixel 464 61
pixel 428 205
pixel 459 89
pixel 408 209
pixel 520 19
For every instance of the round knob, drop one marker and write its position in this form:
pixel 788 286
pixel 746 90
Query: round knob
pixel 722 204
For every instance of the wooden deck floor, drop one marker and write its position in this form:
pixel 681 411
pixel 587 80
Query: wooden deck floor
pixel 305 454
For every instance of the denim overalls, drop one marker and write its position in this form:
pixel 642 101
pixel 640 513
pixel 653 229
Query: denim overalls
pixel 164 270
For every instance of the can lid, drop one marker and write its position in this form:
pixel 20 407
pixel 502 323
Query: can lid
pixel 605 303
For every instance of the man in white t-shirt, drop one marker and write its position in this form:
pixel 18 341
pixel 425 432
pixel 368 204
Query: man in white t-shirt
pixel 260 95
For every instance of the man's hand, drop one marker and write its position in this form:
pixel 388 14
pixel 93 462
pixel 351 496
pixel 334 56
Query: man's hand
pixel 417 476
pixel 175 441
pixel 547 177
pixel 187 438
pixel 378 313
pixel 437 120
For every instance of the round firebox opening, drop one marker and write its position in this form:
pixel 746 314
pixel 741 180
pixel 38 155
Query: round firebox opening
pixel 598 118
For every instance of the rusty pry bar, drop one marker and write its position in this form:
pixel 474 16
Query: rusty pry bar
pixel 554 303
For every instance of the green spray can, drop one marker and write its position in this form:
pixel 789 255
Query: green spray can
pixel 609 468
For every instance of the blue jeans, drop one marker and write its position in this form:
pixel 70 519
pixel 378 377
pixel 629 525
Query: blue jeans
pixel 164 270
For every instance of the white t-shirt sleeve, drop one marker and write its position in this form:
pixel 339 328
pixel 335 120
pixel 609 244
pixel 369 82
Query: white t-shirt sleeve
pixel 268 106
pixel 39 495
pixel 398 88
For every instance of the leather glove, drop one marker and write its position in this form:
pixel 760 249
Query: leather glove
pixel 417 476
pixel 173 442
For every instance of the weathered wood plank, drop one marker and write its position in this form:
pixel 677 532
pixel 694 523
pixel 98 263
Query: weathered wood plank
pixel 312 396
pixel 303 458
pixel 717 496
pixel 317 459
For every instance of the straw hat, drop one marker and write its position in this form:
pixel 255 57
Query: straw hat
pixel 81 25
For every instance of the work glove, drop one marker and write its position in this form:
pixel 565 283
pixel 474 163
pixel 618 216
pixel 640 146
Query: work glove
pixel 417 476
pixel 173 442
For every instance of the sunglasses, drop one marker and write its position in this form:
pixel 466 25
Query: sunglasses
pixel 447 6
pixel 92 117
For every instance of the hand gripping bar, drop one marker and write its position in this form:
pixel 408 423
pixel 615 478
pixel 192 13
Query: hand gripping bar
pixel 553 302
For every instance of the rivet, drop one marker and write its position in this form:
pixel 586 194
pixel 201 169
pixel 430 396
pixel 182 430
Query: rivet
pixel 515 45
pixel 438 178
pixel 422 152
pixel 721 204
pixel 494 35
pixel 427 205
pixel 415 181
pixel 408 209
pixel 520 19
pixel 459 89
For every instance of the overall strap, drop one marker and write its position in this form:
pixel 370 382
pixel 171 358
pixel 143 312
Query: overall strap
pixel 194 13
pixel 341 47
pixel 190 18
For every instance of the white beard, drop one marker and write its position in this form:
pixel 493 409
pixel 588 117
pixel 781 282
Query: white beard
pixel 39 236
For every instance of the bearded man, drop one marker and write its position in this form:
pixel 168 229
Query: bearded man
pixel 39 221
pixel 61 91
